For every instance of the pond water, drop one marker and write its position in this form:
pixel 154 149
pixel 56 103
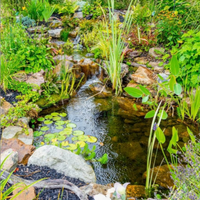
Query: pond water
pixel 125 143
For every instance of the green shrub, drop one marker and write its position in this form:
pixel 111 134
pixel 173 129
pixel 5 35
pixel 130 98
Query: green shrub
pixel 27 21
pixel 66 8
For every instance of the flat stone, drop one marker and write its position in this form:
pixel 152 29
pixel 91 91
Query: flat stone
pixel 55 33
pixel 141 60
pixel 158 69
pixel 24 151
pixel 135 191
pixel 36 78
pixel 11 132
pixel 56 24
pixel 66 64
pixel 37 29
pixel 164 76
pixel 5 106
pixel 23 121
pixel 100 91
pixel 154 54
pixel 28 194
pixel 144 76
pixel 63 161
pixel 59 58
pixel 11 162
pixel 27 139
pixel 78 15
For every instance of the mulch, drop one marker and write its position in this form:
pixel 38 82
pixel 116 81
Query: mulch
pixel 10 95
pixel 34 172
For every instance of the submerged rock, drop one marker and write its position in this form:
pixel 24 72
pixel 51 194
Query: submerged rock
pixel 100 90
pixel 135 191
pixel 63 161
pixel 24 151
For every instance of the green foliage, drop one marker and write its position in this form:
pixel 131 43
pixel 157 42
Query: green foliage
pixel 48 10
pixel 27 22
pixel 70 23
pixel 66 8
pixel 68 47
pixel 64 34
pixel 189 60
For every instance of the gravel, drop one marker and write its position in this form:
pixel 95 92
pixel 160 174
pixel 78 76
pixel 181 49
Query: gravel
pixel 34 172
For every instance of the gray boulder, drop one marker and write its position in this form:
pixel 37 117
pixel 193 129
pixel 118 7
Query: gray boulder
pixel 64 162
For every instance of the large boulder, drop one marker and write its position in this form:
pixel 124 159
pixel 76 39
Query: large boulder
pixel 24 151
pixel 11 161
pixel 63 161
pixel 144 76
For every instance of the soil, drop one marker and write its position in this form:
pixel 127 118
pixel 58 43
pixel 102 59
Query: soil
pixel 34 172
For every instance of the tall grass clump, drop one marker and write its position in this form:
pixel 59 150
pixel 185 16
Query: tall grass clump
pixel 116 45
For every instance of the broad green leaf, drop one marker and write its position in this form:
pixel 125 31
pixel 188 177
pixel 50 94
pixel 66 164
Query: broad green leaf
pixel 103 159
pixel 61 137
pixel 170 150
pixel 172 82
pixel 48 117
pixel 177 89
pixel 81 143
pixel 40 119
pixel 91 139
pixel 174 66
pixel 175 137
pixel 75 138
pixel 54 114
pixel 91 156
pixel 191 135
pixel 63 114
pixel 145 99
pixel 144 90
pixel 160 135
pixel 48 122
pixel 71 125
pixel 150 114
pixel 135 107
pixel 72 147
pixel 37 133
pixel 50 136
pixel 56 118
pixel 64 143
pixel 83 138
pixel 59 127
pixel 59 123
pixel 134 92
pixel 164 114
pixel 44 128
pixel 77 133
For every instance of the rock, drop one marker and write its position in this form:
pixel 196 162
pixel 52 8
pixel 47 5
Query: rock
pixel 89 55
pixel 55 33
pixel 28 194
pixel 88 17
pixel 37 29
pixel 58 43
pixel 63 161
pixel 19 133
pixel 163 176
pixel 68 65
pixel 5 106
pixel 56 24
pixel 78 15
pixel 156 67
pixel 133 54
pixel 156 52
pixel 11 162
pixel 24 151
pixel 73 34
pixel 141 60
pixel 20 76
pixel 164 76
pixel 60 58
pixel 24 121
pixel 158 70
pixel 36 78
pixel 135 191
pixel 144 76
pixel 100 90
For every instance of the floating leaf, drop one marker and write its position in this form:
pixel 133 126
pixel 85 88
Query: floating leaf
pixel 40 119
pixel 150 114
pixel 48 122
pixel 77 133
pixel 81 143
pixel 44 128
pixel 59 123
pixel 67 121
pixel 91 139
pixel 71 125
pixel 64 143
pixel 61 137
pixel 83 138
pixel 37 133
pixel 63 114
pixel 48 117
pixel 50 136
pixel 75 139
pixel 56 118
pixel 72 147
pixel 63 132
pixel 59 127
pixel 54 114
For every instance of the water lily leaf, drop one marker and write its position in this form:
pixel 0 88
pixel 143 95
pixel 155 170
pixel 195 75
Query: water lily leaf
pixel 68 129
pixel 54 114
pixel 83 138
pixel 59 123
pixel 61 137
pixel 48 117
pixel 81 143
pixel 37 133
pixel 44 128
pixel 72 147
pixel 56 118
pixel 50 136
pixel 75 138
pixel 92 139
pixel 48 122
pixel 59 127
pixel 67 121
pixel 40 119
pixel 77 133
pixel 62 133
pixel 64 143
pixel 63 114
pixel 71 125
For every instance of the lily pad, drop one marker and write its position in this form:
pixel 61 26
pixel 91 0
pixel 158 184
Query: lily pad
pixel 59 127
pixel 54 114
pixel 67 121
pixel 59 123
pixel 91 139
pixel 72 147
pixel 63 114
pixel 44 128
pixel 77 133
pixel 37 133
pixel 61 137
pixel 64 143
pixel 68 129
pixel 71 125
pixel 48 122
pixel 83 138
pixel 74 138
pixel 50 136
pixel 40 119
pixel 56 118
pixel 81 143
pixel 48 117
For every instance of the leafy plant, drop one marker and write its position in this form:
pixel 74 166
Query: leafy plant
pixel 48 10
pixel 27 22
pixel 64 34
pixel 69 22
